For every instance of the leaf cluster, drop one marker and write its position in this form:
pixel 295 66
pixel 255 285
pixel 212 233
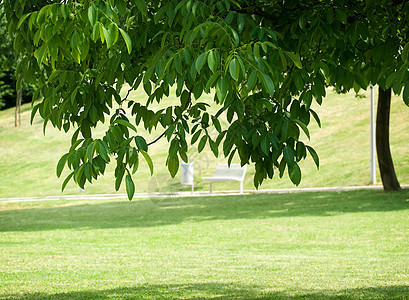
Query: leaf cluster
pixel 265 62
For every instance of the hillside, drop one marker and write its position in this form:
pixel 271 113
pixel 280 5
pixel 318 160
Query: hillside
pixel 28 158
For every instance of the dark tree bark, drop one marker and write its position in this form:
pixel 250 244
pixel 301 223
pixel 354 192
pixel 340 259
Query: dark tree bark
pixel 17 119
pixel 387 170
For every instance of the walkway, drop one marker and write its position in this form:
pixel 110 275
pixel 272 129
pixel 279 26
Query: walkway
pixel 195 194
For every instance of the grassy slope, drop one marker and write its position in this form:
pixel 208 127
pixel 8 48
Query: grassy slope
pixel 350 245
pixel 28 159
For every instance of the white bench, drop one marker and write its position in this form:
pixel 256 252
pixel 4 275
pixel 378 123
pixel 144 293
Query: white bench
pixel 225 173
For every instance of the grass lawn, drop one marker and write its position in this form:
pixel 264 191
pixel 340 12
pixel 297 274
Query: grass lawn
pixel 349 245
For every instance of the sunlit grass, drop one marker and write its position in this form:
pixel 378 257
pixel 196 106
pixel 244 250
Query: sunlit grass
pixel 350 245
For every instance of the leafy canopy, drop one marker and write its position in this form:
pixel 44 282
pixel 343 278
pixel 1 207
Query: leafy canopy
pixel 264 62
pixel 8 63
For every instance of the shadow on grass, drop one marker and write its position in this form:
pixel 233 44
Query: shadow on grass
pixel 166 211
pixel 220 291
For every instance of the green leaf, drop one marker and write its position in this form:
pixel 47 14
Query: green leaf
pixel 101 31
pixel 273 140
pixel 53 50
pixel 212 80
pixel 314 156
pixel 141 4
pixel 300 151
pixel 22 19
pixel 256 51
pixel 61 164
pixel 110 34
pixel 141 143
pixel 306 97
pixel 119 174
pixel 127 40
pixel 295 58
pixel 214 148
pixel 268 84
pixel 221 89
pixel 106 37
pixel 33 112
pixel 135 162
pixel 148 160
pixel 361 81
pixel 90 150
pixel 88 171
pixel 234 69
pixel 406 94
pixel 304 128
pixel 265 145
pixel 294 172
pixel 183 155
pixel 288 155
pixel 173 165
pixel 63 9
pixel 299 83
pixel 178 64
pixel 64 184
pixel 79 176
pixel 93 113
pixel 405 53
pixel 236 37
pixel 103 151
pixel 125 123
pixel 252 80
pixel 202 143
pixel 41 54
pixel 95 32
pixel 211 61
pixel 200 61
pixel 284 130
pixel 92 15
pixel 391 79
pixel 173 148
pixel 216 124
pixel 196 136
pixel 130 186
pixel 316 117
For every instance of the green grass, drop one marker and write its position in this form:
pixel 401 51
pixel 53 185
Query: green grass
pixel 349 245
pixel 28 159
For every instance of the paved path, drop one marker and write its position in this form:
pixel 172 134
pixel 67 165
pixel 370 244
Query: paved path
pixel 195 194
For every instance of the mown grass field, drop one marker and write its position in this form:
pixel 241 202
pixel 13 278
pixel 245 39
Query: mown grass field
pixel 348 245
pixel 28 158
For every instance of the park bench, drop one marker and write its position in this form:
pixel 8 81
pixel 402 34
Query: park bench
pixel 225 173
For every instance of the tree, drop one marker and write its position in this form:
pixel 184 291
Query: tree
pixel 265 62
pixel 8 63
pixel 7 88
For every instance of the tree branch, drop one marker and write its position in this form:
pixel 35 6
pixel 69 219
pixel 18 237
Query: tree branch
pixel 159 137
pixel 188 103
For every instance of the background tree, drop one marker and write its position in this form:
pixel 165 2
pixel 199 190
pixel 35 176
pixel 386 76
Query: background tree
pixel 8 63
pixel 264 61
pixel 376 51
pixel 7 88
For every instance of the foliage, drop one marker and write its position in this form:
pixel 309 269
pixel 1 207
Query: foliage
pixel 342 143
pixel 264 61
pixel 8 63
pixel 7 90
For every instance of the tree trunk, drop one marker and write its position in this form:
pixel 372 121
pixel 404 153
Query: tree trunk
pixel 17 119
pixel 387 170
